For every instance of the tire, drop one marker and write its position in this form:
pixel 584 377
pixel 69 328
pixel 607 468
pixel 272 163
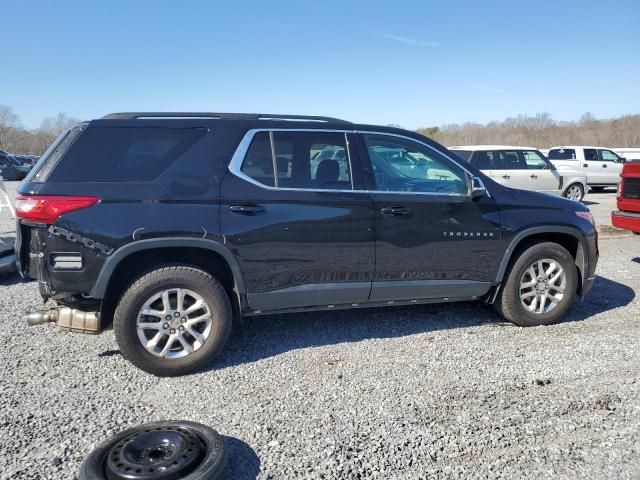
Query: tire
pixel 575 192
pixel 206 461
pixel 509 303
pixel 205 339
pixel 597 189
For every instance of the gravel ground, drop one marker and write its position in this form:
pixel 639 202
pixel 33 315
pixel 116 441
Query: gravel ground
pixel 444 391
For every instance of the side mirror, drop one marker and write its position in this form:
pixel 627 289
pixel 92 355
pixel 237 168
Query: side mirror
pixel 622 160
pixel 477 188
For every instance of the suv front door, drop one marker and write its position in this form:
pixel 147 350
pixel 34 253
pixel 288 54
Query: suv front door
pixel 432 239
pixel 303 236
pixel 542 175
pixel 612 166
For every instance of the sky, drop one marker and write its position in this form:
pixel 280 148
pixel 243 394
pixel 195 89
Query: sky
pixel 411 63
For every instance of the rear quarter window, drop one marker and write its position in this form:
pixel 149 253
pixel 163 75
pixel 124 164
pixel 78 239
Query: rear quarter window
pixel 124 154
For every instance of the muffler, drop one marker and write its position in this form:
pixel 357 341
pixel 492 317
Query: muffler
pixel 66 318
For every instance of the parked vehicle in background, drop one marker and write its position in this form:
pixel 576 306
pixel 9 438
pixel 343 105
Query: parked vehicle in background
pixel 525 168
pixel 22 168
pixel 169 226
pixel 8 169
pixel 27 159
pixel 630 154
pixel 628 214
pixel 602 166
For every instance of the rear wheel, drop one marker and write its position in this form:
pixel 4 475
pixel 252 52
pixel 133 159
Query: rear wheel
pixel 173 320
pixel 540 285
pixel 574 192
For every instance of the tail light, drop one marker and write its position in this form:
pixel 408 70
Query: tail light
pixel 48 208
pixel 620 188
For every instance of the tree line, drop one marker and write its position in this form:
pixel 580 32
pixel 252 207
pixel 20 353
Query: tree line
pixel 14 138
pixel 542 131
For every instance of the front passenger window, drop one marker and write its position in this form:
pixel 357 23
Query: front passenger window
pixel 401 165
pixel 535 161
pixel 608 156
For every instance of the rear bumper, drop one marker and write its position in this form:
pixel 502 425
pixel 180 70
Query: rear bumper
pixel 626 220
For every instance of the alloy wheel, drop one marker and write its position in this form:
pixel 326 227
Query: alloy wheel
pixel 574 192
pixel 174 323
pixel 542 286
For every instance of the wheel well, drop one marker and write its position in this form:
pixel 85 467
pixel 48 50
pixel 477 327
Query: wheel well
pixel 568 241
pixel 138 263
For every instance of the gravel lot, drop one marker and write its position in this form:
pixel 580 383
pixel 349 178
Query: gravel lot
pixel 445 391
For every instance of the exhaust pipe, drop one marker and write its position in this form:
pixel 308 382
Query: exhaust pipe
pixel 66 318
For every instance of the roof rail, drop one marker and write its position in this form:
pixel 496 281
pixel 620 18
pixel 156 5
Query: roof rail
pixel 224 116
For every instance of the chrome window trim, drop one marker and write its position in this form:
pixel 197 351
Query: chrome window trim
pixel 237 159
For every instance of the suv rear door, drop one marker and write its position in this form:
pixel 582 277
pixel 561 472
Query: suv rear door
pixel 432 239
pixel 511 169
pixel 303 237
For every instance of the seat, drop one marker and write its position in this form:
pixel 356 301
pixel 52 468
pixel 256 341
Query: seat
pixel 327 173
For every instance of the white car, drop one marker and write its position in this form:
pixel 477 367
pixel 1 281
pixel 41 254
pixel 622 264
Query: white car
pixel 602 166
pixel 525 168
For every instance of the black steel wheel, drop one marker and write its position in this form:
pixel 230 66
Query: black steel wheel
pixel 171 450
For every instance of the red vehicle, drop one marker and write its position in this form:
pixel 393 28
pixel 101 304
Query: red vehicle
pixel 628 214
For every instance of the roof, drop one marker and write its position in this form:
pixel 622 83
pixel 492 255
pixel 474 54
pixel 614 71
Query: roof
pixel 475 148
pixel 221 116
pixel 579 146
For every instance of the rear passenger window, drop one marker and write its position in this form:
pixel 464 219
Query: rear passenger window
pixel 590 154
pixel 562 154
pixel 121 154
pixel 258 163
pixel 312 160
pixel 510 160
pixel 484 160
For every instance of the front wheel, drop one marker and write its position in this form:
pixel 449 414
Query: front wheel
pixel 540 286
pixel 574 192
pixel 173 320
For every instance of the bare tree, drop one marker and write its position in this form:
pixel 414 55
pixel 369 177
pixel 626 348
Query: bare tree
pixel 58 124
pixel 542 131
pixel 9 125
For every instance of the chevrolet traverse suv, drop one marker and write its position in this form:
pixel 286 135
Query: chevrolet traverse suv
pixel 168 226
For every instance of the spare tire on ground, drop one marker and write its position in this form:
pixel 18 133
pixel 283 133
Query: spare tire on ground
pixel 168 450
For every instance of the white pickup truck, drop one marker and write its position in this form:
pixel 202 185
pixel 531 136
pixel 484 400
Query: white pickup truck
pixel 602 166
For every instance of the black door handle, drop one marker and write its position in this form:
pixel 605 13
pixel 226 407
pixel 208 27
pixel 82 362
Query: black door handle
pixel 395 211
pixel 506 176
pixel 585 164
pixel 533 175
pixel 247 209
pixel 604 165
